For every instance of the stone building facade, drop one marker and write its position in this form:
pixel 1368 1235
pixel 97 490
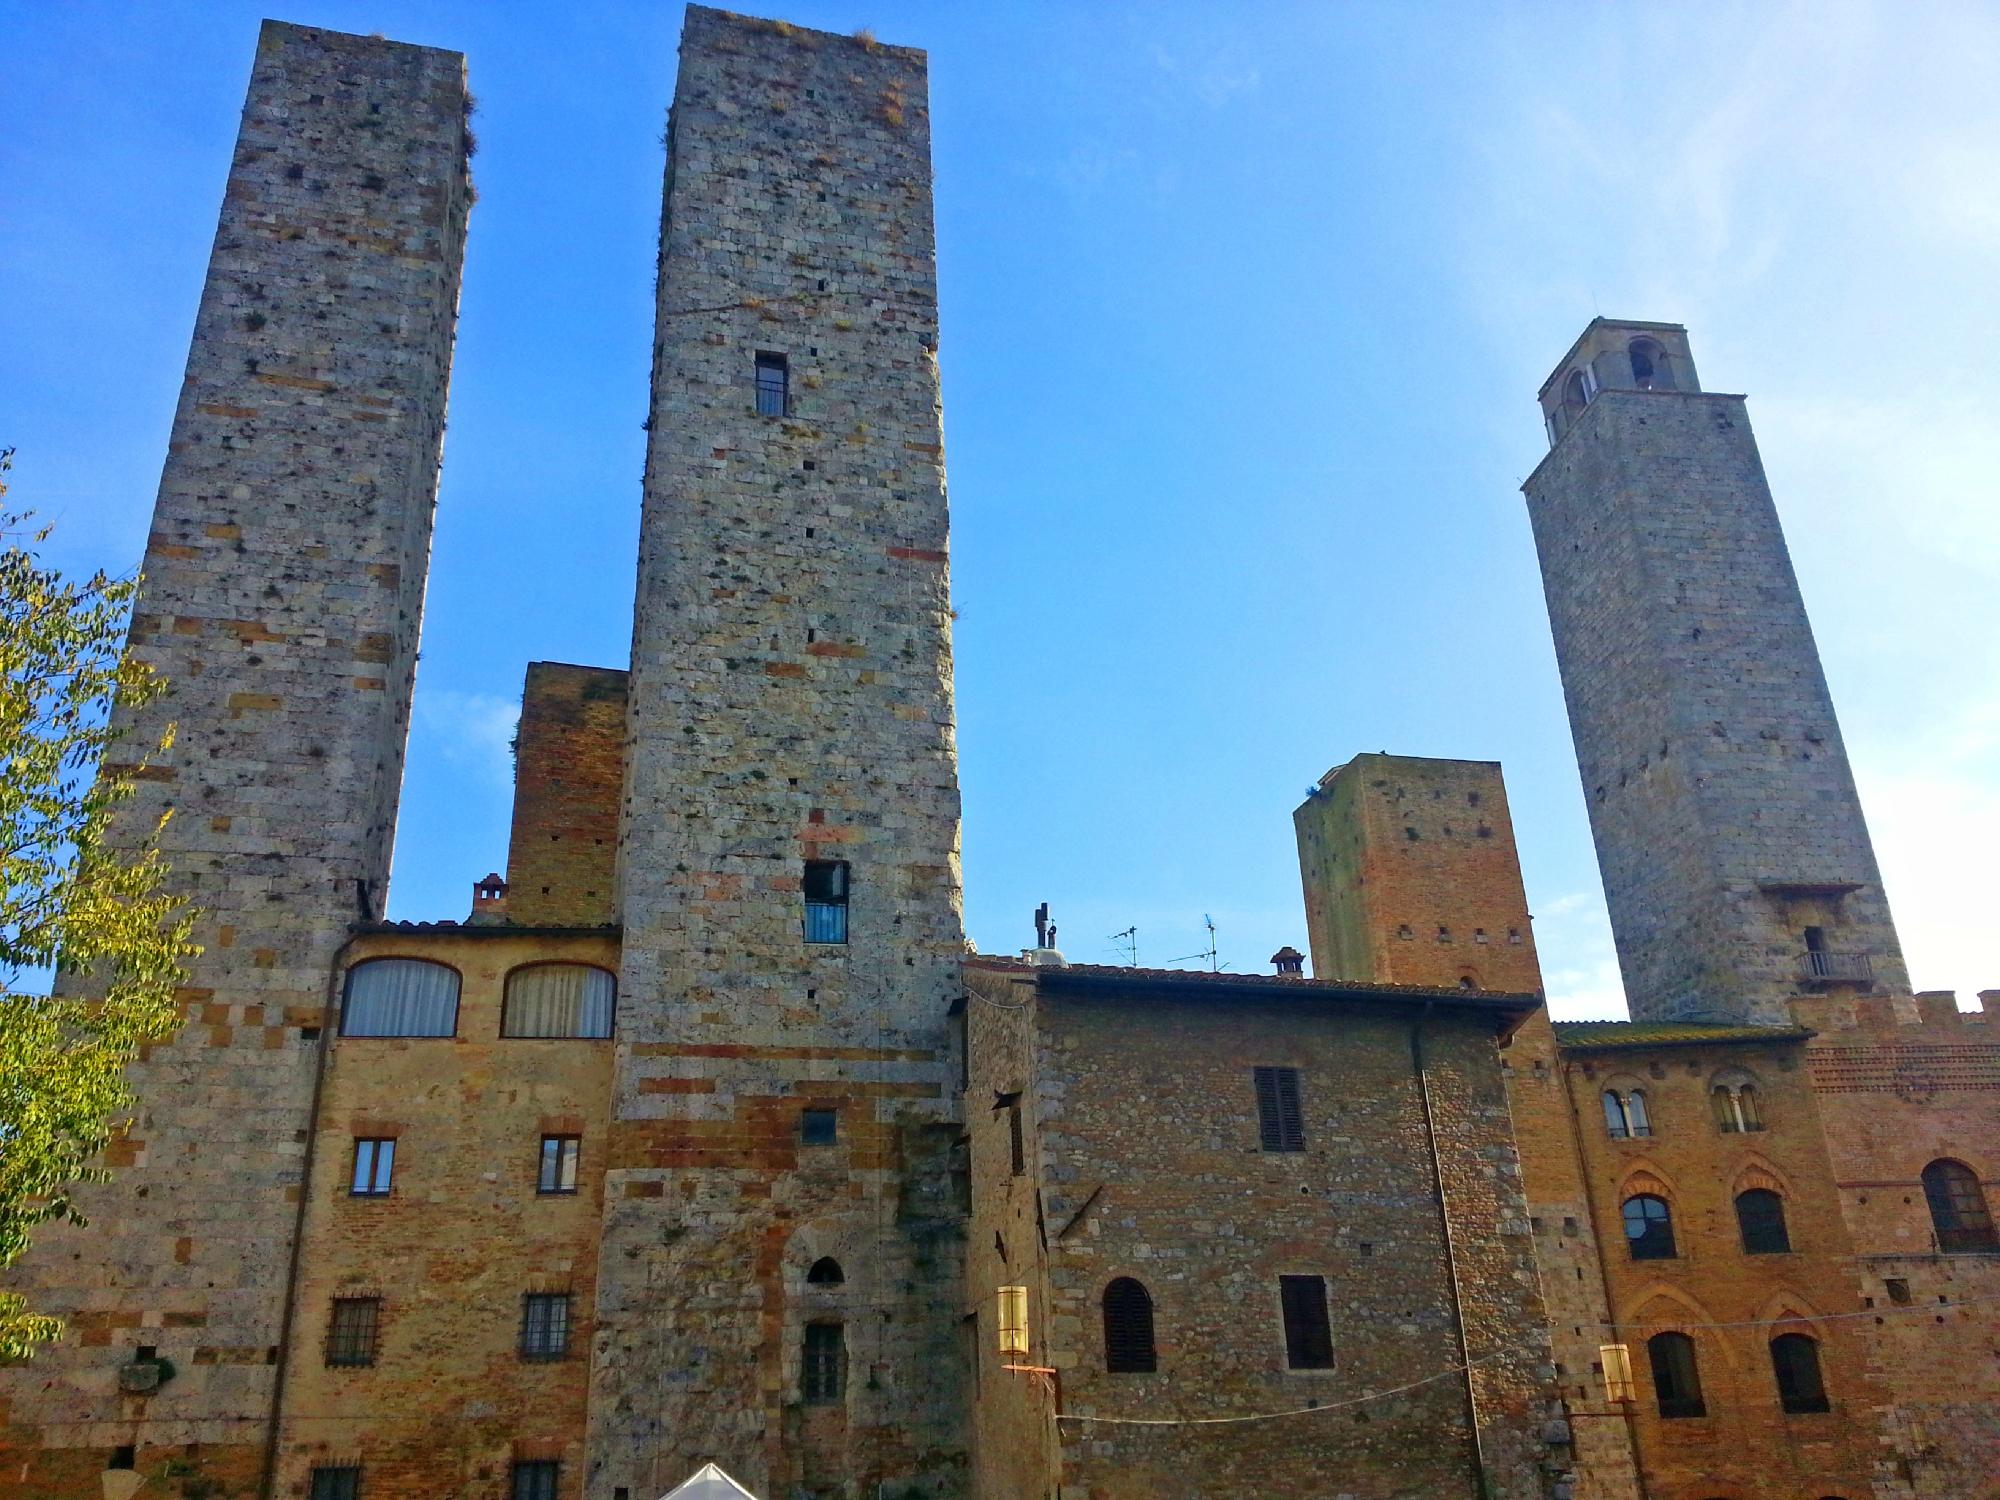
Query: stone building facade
pixel 705 1138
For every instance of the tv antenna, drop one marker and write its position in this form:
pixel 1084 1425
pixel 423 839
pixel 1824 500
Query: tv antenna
pixel 1128 942
pixel 1209 952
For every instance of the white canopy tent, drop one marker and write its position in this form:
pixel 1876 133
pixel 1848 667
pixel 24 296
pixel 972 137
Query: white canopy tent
pixel 708 1483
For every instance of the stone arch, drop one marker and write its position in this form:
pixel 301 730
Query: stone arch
pixel 1761 1172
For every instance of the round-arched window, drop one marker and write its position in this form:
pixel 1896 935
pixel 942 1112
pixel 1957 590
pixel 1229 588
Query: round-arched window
pixel 825 1272
pixel 1128 1328
pixel 400 997
pixel 1649 1227
pixel 1650 368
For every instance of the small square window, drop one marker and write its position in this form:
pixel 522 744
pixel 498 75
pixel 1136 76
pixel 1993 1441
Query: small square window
pixel 125 1456
pixel 825 887
pixel 374 1166
pixel 774 385
pixel 352 1330
pixel 536 1479
pixel 545 1325
pixel 559 1158
pixel 818 1127
pixel 336 1482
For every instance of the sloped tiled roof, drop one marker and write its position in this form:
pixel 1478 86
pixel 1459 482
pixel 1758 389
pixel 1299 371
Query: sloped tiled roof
pixel 1597 1035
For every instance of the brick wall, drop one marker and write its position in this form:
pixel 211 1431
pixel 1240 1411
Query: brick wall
pixel 569 775
pixel 463 1235
pixel 284 582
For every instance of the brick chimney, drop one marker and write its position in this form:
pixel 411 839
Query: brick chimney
pixel 1289 962
pixel 489 902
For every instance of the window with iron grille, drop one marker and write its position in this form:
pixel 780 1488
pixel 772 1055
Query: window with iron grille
pixel 352 1330
pixel 336 1482
pixel 818 1127
pixel 1760 1216
pixel 1649 1227
pixel 1308 1331
pixel 1958 1207
pixel 823 1370
pixel 559 1158
pixel 1128 1329
pixel 1676 1379
pixel 774 381
pixel 545 1325
pixel 374 1166
pixel 535 1479
pixel 1280 1124
pixel 1795 1362
pixel 826 900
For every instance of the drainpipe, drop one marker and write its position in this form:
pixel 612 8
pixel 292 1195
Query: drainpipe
pixel 1477 1451
pixel 329 1022
pixel 1603 1268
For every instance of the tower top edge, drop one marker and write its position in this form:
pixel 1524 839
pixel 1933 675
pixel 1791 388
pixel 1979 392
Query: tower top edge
pixel 275 33
pixel 809 35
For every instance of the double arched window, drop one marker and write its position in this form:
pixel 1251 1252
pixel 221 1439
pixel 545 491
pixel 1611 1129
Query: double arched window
pixel 1733 1096
pixel 400 997
pixel 1128 1329
pixel 1649 1227
pixel 1760 1218
pixel 1625 1116
pixel 1795 1363
pixel 559 1000
pixel 1676 1377
pixel 1958 1208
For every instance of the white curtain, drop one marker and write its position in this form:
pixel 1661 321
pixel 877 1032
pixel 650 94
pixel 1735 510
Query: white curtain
pixel 559 1000
pixel 400 997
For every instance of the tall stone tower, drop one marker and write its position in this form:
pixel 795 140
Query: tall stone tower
pixel 1735 860
pixel 284 586
pixel 778 1280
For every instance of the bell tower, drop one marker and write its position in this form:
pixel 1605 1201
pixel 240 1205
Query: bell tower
pixel 1735 859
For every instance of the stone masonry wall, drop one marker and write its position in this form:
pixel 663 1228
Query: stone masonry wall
pixel 462 1236
pixel 791 700
pixel 283 593
pixel 1711 760
pixel 569 778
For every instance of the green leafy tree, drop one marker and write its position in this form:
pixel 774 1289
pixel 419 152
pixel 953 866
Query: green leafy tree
pixel 73 895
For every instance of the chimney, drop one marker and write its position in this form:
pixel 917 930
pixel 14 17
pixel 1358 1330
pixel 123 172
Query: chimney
pixel 489 902
pixel 1289 962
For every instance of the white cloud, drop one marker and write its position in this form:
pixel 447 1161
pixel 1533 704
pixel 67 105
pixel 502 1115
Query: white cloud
pixel 471 731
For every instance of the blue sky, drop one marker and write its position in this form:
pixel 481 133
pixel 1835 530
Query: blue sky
pixel 1244 311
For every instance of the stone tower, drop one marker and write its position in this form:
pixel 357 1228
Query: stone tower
pixel 1735 860
pixel 284 587
pixel 788 862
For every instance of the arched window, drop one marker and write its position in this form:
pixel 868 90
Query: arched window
pixel 1576 394
pixel 1676 1381
pixel 1795 1361
pixel 1958 1207
pixel 1760 1216
pixel 1128 1329
pixel 1650 368
pixel 559 1000
pixel 825 1272
pixel 1734 1097
pixel 1649 1227
pixel 400 997
pixel 1625 1114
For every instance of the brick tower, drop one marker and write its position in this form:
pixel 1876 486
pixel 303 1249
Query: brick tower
pixel 1735 859
pixel 779 1262
pixel 284 585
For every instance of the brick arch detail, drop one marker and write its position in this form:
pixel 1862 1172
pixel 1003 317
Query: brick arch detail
pixel 1645 1176
pixel 1761 1172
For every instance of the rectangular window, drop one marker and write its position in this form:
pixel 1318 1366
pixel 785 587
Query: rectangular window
pixel 545 1325
pixel 818 1127
pixel 374 1164
pixel 559 1157
pixel 352 1330
pixel 826 900
pixel 774 385
pixel 536 1479
pixel 337 1482
pixel 1308 1333
pixel 823 1370
pixel 1280 1125
pixel 1017 1146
